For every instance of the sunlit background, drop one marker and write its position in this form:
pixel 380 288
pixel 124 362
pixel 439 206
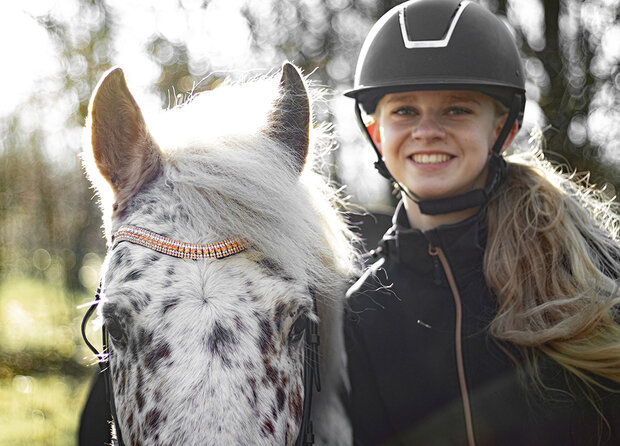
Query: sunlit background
pixel 53 53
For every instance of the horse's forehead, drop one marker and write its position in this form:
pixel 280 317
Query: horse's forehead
pixel 139 278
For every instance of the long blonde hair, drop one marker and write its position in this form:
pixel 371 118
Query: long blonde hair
pixel 553 261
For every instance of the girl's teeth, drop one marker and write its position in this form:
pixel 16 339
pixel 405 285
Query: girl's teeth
pixel 433 158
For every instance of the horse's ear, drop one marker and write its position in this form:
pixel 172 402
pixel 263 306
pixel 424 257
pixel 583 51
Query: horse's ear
pixel 123 150
pixel 290 119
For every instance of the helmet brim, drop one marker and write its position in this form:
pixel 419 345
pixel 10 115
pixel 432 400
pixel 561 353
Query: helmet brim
pixel 369 97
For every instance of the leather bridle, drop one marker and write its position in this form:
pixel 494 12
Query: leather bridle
pixel 217 250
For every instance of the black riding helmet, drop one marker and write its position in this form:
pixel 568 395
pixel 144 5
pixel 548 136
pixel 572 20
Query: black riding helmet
pixel 442 45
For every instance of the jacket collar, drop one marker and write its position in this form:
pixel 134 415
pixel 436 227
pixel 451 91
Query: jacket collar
pixel 463 242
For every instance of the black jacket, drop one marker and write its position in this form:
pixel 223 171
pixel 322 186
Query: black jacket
pixel 403 357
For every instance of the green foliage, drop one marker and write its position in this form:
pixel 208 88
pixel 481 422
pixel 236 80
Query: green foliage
pixel 45 368
pixel 41 409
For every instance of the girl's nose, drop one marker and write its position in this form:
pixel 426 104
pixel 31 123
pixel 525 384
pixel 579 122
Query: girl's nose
pixel 427 127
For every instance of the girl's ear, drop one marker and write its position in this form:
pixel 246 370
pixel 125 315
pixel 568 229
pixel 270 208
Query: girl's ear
pixel 375 134
pixel 499 124
pixel 511 136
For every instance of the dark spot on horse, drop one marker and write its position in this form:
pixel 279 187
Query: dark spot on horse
pixel 155 258
pixel 152 418
pixel 280 398
pixel 254 399
pixel 254 297
pixel 295 404
pixel 137 305
pixel 139 395
pixel 220 341
pixel 271 266
pixel 170 271
pixel 116 373
pixel 169 304
pixel 268 428
pixel 122 256
pixel 130 421
pixel 277 318
pixel 166 217
pixel 156 354
pixel 139 400
pixel 133 275
pixel 239 325
pixel 133 348
pixel 274 269
pixel 271 373
pixel 265 336
pixel 136 437
pixel 122 382
pixel 144 338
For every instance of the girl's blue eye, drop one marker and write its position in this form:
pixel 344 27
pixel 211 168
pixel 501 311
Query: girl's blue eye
pixel 404 111
pixel 459 111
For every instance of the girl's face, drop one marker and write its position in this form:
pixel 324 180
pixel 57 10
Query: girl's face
pixel 436 143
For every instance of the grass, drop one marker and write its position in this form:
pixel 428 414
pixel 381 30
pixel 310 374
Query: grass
pixel 44 365
pixel 41 409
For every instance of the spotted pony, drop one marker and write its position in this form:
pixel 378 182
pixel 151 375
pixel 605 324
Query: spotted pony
pixel 210 351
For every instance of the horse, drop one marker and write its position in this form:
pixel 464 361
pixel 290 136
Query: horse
pixel 226 245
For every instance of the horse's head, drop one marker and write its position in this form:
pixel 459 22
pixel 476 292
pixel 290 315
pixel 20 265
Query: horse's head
pixel 211 350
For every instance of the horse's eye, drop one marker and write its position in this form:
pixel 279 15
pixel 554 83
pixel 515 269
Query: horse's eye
pixel 116 332
pixel 298 329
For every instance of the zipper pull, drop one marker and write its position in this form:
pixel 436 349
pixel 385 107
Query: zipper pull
pixel 433 252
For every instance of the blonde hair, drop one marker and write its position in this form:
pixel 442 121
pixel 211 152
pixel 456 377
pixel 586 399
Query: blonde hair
pixel 553 261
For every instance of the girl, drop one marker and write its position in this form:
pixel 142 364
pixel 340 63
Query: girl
pixel 490 314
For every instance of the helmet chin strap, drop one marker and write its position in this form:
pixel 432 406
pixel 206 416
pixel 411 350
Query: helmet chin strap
pixel 498 169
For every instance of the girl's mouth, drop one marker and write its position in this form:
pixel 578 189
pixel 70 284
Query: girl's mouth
pixel 430 158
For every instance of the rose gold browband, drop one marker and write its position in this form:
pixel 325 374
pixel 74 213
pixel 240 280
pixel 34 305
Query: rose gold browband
pixel 175 248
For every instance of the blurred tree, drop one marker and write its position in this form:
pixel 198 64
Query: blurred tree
pixel 47 204
pixel 571 58
pixel 573 63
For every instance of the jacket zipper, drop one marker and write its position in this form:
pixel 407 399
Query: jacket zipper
pixel 438 253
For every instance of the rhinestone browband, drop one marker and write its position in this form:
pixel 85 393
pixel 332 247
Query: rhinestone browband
pixel 175 248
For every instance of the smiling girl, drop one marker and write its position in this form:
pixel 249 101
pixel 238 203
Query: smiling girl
pixel 490 315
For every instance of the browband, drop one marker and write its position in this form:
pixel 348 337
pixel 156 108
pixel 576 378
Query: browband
pixel 175 248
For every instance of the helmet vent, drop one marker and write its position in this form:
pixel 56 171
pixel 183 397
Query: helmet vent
pixel 424 32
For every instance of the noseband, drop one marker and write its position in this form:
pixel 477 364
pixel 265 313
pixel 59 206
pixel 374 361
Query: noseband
pixel 193 251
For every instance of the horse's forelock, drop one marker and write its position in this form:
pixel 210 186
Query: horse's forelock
pixel 247 182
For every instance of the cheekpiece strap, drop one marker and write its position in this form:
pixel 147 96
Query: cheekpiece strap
pixel 175 248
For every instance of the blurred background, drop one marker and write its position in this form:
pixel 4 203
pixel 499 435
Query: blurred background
pixel 53 53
